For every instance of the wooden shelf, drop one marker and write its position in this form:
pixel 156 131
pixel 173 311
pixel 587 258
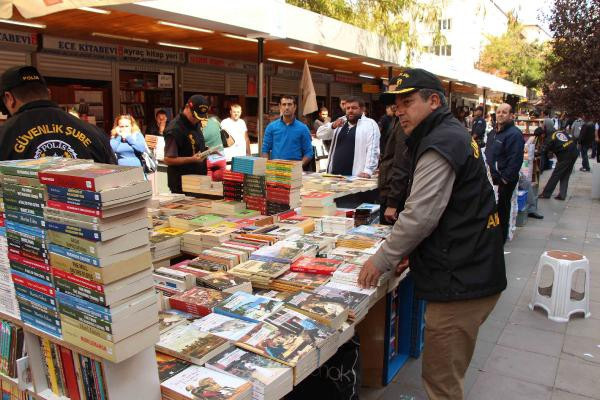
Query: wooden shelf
pixel 51 338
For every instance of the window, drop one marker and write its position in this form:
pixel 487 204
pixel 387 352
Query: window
pixel 445 24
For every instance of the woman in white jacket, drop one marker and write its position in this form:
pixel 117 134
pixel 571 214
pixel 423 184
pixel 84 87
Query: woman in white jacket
pixel 366 140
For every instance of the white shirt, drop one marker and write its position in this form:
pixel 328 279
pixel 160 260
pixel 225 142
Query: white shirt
pixel 237 130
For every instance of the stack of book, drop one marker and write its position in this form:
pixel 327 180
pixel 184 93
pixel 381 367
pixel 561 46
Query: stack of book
pixel 292 348
pixel 8 300
pixel 328 311
pixel 206 220
pixel 256 203
pixel 228 207
pixel 270 379
pixel 165 243
pixel 201 184
pixel 366 214
pixel 249 165
pixel 229 328
pixel 200 383
pixel 374 231
pixel 13 348
pixel 337 225
pixel 325 241
pixel 318 204
pixel 307 224
pixel 354 298
pixel 197 301
pixel 225 282
pixel 247 307
pixel 260 273
pixel 285 232
pixel 312 265
pixel 255 185
pixel 181 221
pixel 348 274
pixel 114 319
pixel 325 339
pixel 233 185
pixel 188 343
pixel 24 202
pixel 284 179
pixel 348 254
pixel 297 281
pixel 284 252
pixel 356 241
pixel 171 280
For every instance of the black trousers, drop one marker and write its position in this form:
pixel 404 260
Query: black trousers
pixel 561 173
pixel 505 192
pixel 585 162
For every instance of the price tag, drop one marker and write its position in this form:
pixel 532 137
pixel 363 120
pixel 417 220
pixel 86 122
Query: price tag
pixel 165 81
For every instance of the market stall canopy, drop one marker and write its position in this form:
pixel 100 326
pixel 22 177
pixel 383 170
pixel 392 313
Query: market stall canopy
pixel 38 8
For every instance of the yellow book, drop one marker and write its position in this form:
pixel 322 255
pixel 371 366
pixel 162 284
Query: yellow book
pixel 50 365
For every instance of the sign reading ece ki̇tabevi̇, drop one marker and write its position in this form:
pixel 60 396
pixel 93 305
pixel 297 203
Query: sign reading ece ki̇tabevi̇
pixel 18 38
pixel 110 50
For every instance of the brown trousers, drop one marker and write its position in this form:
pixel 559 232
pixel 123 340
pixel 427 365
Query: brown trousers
pixel 451 330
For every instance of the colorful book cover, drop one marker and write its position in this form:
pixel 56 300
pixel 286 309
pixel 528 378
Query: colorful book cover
pixel 247 306
pixel 169 366
pixel 199 383
pixel 189 343
pixel 232 329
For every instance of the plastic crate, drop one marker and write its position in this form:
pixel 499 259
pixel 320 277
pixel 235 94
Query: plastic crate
pixel 417 339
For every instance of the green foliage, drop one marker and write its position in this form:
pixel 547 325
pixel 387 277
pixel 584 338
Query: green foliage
pixel 510 56
pixel 393 19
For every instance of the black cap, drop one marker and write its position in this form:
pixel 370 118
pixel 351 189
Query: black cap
pixel 17 76
pixel 199 106
pixel 410 81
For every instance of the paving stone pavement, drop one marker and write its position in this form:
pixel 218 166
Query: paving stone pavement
pixel 521 354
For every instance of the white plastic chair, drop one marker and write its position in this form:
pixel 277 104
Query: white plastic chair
pixel 559 299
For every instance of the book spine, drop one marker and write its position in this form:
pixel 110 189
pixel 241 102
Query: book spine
pixel 25 229
pixel 93 321
pixel 75 208
pixel 35 296
pixel 66 286
pixel 39 306
pixel 36 273
pixel 74 243
pixel 88 342
pixel 21 181
pixel 46 350
pixel 25 251
pixel 32 283
pixel 75 267
pixel 79 375
pixel 66 357
pixel 40 324
pixel 32 241
pixel 25 204
pixel 231 314
pixel 78 194
pixel 84 306
pixel 84 377
pixel 85 327
pixel 60 214
pixel 192 308
pixel 74 182
pixel 59 368
pixel 79 281
pixel 311 270
pixel 75 255
pixel 75 202
pixel 27 219
pixel 99 374
pixel 37 313
pixel 87 234
pixel 24 192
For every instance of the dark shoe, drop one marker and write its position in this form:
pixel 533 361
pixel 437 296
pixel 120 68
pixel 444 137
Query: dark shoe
pixel 584 169
pixel 560 198
pixel 543 196
pixel 535 215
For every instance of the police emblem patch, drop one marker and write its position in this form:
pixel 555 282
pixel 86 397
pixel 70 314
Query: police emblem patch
pixel 562 137
pixel 58 148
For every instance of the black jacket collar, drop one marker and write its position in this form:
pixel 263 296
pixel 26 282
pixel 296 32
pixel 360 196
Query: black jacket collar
pixel 426 126
pixel 37 104
pixel 506 126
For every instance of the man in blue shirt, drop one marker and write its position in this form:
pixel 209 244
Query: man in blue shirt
pixel 287 138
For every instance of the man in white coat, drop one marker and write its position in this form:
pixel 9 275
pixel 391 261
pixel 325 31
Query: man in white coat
pixel 354 142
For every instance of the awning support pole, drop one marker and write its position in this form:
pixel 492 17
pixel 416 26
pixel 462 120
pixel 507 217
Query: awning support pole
pixel 390 74
pixel 260 92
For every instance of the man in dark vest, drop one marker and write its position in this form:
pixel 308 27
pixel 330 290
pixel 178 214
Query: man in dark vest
pixel 38 127
pixel 449 230
pixel 184 143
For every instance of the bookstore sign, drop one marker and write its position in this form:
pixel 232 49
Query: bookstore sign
pixel 110 51
pixel 17 38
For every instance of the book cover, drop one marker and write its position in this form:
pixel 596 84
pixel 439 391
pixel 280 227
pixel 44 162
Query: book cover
pixel 313 265
pixel 299 324
pixel 198 301
pixel 169 366
pixel 229 328
pixel 324 309
pixel 247 306
pixel 199 383
pixel 167 319
pixel 190 344
pixel 91 176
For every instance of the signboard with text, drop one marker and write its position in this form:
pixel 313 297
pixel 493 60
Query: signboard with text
pixel 18 38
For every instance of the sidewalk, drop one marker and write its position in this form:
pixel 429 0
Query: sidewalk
pixel 520 354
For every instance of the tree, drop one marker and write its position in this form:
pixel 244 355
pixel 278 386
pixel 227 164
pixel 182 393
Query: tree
pixel 572 80
pixel 511 57
pixel 393 19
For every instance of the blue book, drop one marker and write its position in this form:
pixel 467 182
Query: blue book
pixel 25 229
pixel 35 297
pixel 31 278
pixel 76 202
pixel 247 307
pixel 84 195
pixel 41 325
pixel 88 234
pixel 27 219
pixel 100 380
pixel 84 306
pixel 75 255
pixel 48 318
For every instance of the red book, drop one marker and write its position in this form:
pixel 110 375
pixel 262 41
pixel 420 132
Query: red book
pixel 59 273
pixel 27 254
pixel 69 373
pixel 321 266
pixel 59 205
pixel 29 262
pixel 197 301
pixel 91 176
pixel 47 290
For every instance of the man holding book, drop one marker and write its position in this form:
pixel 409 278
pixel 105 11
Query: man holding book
pixel 449 230
pixel 38 127
pixel 184 143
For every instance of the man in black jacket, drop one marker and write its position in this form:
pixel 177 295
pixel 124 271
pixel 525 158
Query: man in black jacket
pixel 587 136
pixel 504 155
pixel 449 229
pixel 479 125
pixel 565 149
pixel 38 127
